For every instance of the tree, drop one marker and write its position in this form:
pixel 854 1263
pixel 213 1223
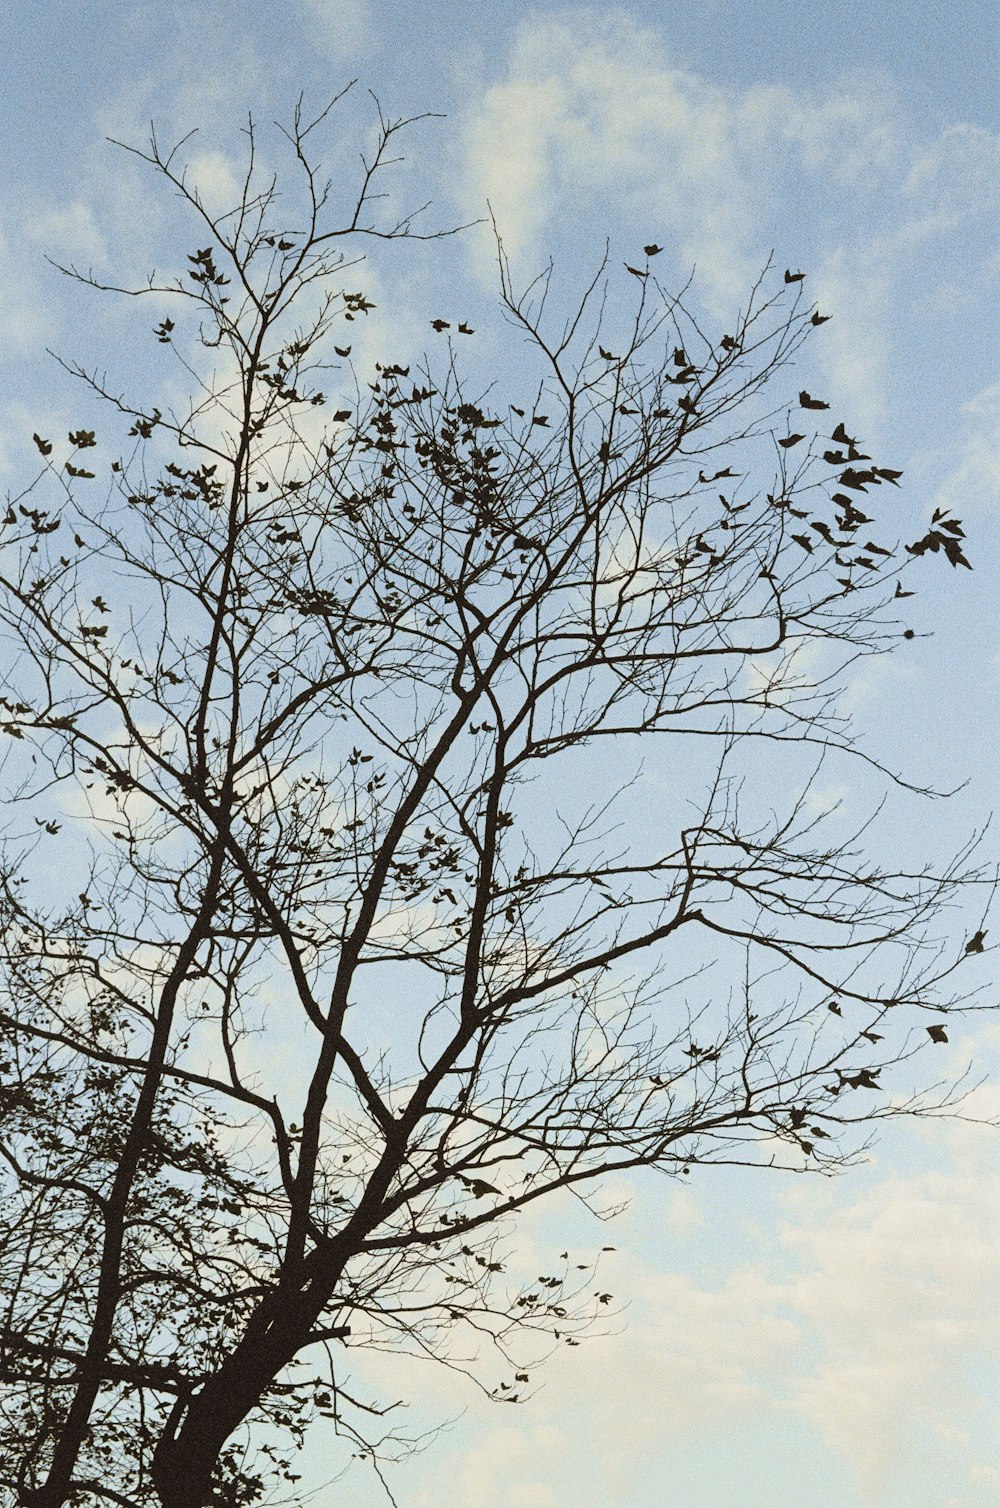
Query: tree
pixel 337 929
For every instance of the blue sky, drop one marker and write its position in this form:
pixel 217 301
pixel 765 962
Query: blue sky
pixel 784 1342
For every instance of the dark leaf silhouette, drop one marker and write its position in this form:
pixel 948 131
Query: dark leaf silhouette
pixel 858 481
pixel 945 536
pixel 479 1188
pixel 865 1078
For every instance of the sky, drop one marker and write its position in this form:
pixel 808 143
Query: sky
pixel 778 1341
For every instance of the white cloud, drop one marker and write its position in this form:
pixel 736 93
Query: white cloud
pixel 344 27
pixel 788 674
pixel 974 478
pixel 218 178
pixel 897 1289
pixel 223 75
pixel 71 232
pixel 856 349
pixel 858 1329
pixel 849 136
pixel 26 317
pixel 957 173
pixel 823 800
pixel 506 1469
pixel 877 681
pixel 572 116
pixel 848 182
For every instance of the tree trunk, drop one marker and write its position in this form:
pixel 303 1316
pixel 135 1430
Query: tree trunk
pixel 185 1459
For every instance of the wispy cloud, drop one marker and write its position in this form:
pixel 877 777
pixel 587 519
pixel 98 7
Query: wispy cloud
pixel 598 122
pixel 343 28
pixel 26 317
pixel 973 480
pixel 860 1333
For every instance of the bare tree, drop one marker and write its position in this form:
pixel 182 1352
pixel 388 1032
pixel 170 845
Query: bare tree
pixel 337 926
